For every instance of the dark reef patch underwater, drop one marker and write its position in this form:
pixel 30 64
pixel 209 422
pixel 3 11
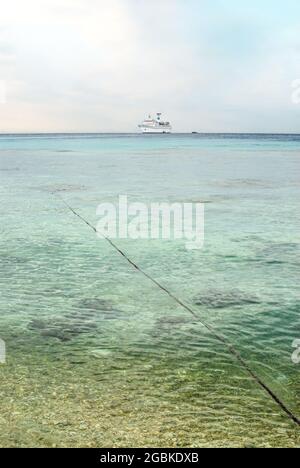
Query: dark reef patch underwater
pixel 218 299
pixel 86 317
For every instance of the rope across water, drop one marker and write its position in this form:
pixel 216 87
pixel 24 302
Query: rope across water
pixel 211 329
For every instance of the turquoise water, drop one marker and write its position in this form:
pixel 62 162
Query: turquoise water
pixel 96 354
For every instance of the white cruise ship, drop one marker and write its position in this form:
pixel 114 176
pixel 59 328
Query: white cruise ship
pixel 151 125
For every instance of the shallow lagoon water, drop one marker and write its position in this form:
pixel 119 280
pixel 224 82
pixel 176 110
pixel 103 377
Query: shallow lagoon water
pixel 96 355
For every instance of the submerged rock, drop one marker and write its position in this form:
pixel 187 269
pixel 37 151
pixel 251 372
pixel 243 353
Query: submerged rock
pixel 218 299
pixel 55 333
pixel 37 324
pixel 9 169
pixel 173 320
pixel 85 318
pixel 101 308
pixel 278 253
pixel 169 324
pixel 95 304
pixel 60 188
pixel 61 328
pixel 9 259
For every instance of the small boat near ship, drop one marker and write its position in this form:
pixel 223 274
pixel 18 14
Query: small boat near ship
pixel 156 125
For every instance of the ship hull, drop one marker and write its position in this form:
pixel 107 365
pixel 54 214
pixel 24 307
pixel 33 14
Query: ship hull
pixel 155 130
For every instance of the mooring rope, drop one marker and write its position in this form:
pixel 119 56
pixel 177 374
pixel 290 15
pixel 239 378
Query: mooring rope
pixel 211 329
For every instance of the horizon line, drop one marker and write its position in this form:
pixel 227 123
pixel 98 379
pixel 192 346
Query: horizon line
pixel 142 134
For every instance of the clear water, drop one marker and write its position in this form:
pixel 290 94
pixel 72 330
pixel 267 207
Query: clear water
pixel 96 355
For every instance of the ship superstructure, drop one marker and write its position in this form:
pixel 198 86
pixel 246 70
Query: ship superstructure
pixel 156 125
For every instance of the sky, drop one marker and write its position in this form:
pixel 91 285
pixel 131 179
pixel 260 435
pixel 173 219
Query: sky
pixel 104 65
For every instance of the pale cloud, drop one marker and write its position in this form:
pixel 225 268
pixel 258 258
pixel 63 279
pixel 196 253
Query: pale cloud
pixel 98 65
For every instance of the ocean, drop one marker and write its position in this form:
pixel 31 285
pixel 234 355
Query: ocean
pixel 97 355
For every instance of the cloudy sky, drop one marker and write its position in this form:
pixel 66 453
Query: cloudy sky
pixel 102 65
